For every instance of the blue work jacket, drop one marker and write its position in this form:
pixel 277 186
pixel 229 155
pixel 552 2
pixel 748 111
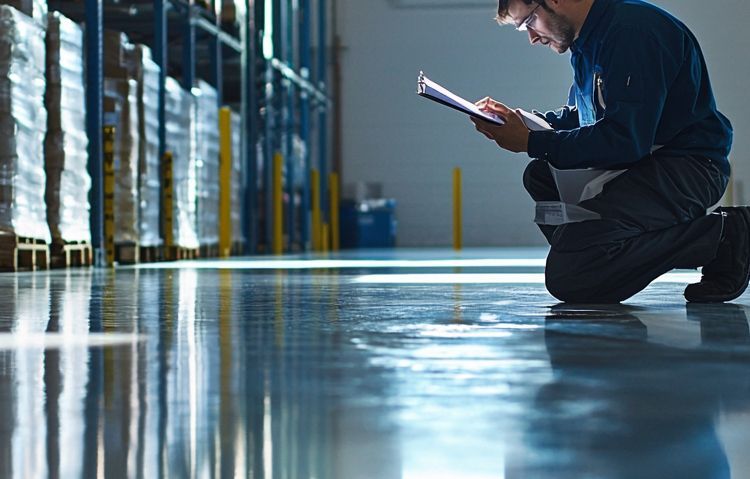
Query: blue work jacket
pixel 640 86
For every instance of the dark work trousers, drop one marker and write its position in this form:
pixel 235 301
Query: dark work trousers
pixel 653 219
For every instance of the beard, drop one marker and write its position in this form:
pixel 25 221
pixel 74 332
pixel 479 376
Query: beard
pixel 562 32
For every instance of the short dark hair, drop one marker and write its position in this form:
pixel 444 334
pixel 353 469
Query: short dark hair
pixel 502 16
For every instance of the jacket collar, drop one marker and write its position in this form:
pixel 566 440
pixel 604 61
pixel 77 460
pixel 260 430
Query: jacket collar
pixel 593 19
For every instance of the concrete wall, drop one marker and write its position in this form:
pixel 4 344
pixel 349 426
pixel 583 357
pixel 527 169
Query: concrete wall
pixel 410 145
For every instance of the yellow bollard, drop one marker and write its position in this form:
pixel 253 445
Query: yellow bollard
pixel 315 202
pixel 278 205
pixel 334 190
pixel 167 204
pixel 109 194
pixel 225 182
pixel 324 238
pixel 457 237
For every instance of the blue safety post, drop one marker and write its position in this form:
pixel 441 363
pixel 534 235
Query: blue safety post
pixel 322 114
pixel 95 122
pixel 249 125
pixel 289 26
pixel 305 58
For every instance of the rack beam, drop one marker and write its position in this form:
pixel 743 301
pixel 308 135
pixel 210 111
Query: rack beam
pixel 300 81
pixel 228 40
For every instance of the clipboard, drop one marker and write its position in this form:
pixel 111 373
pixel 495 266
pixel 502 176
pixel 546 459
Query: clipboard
pixel 429 89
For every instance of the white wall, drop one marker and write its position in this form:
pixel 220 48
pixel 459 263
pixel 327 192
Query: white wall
pixel 411 145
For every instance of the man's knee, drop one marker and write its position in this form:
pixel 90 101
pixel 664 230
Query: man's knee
pixel 564 288
pixel 573 281
pixel 570 290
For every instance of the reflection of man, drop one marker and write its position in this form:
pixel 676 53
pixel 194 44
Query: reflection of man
pixel 641 102
pixel 622 407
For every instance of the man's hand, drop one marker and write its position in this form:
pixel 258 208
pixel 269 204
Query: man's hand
pixel 512 136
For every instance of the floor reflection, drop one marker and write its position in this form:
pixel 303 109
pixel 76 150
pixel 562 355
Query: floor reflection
pixel 217 373
pixel 622 405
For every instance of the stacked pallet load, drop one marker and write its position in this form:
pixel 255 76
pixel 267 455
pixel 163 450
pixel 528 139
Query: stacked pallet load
pixel 24 233
pixel 181 145
pixel 121 111
pixel 233 14
pixel 238 182
pixel 36 9
pixel 65 146
pixel 207 168
pixel 149 162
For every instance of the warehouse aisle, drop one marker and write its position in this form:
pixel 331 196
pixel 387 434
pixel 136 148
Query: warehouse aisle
pixel 390 364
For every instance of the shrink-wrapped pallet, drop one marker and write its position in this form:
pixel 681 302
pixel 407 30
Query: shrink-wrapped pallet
pixel 66 143
pixel 36 9
pixel 121 107
pixel 233 14
pixel 207 163
pixel 238 180
pixel 23 124
pixel 181 142
pixel 149 162
pixel 121 111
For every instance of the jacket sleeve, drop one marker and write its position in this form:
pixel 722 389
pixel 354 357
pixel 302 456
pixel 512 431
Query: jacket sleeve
pixel 565 118
pixel 636 69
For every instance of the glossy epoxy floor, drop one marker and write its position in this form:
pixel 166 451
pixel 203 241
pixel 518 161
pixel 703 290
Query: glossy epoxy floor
pixel 425 364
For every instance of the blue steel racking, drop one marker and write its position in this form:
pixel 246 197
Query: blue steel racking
pixel 94 122
pixel 283 89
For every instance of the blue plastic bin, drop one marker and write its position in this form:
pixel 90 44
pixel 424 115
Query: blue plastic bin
pixel 368 223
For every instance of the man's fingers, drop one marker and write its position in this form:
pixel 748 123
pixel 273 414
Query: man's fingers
pixel 498 108
pixel 489 105
pixel 480 128
pixel 486 135
pixel 483 102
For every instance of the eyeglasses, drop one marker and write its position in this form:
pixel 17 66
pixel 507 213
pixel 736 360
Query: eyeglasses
pixel 529 20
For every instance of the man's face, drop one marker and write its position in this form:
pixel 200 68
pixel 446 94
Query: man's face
pixel 544 24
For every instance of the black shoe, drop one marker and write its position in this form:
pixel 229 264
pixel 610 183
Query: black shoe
pixel 726 277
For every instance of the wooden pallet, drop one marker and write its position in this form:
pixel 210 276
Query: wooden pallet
pixel 177 253
pixel 70 254
pixel 209 251
pixel 151 254
pixel 238 248
pixel 18 253
pixel 127 253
